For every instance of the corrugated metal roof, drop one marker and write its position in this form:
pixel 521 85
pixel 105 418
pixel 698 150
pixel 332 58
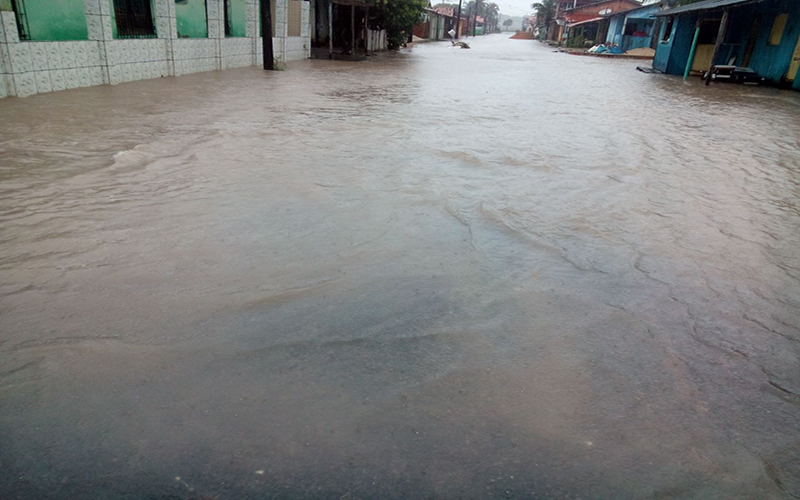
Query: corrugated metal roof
pixel 631 13
pixel 703 5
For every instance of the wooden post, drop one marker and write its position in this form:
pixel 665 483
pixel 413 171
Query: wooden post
pixel 723 28
pixel 266 35
pixel 692 52
pixel 330 29
pixel 353 29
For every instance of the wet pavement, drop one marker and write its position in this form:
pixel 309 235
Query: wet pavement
pixel 491 273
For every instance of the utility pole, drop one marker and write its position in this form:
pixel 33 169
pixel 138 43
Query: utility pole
pixel 266 34
pixel 458 20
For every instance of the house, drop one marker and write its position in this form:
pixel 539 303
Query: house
pixel 49 45
pixel 431 25
pixel 341 30
pixel 632 29
pixel 556 27
pixel 478 26
pixel 451 21
pixel 760 34
pixel 588 24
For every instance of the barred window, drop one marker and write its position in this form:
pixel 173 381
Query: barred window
pixel 134 19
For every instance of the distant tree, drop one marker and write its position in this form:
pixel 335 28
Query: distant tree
pixel 545 10
pixel 508 22
pixel 491 11
pixel 399 18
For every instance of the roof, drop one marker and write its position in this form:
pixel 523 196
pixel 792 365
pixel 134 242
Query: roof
pixel 703 5
pixel 588 21
pixel 598 3
pixel 647 12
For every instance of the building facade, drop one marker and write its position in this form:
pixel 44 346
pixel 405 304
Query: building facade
pixel 762 35
pixel 632 29
pixel 50 45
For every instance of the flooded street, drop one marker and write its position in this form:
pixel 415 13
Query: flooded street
pixel 501 272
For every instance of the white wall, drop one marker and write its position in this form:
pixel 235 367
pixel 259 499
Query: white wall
pixel 31 67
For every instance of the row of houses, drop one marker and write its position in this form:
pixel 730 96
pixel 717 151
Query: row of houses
pixel 50 45
pixel 581 22
pixel 691 39
pixel 437 22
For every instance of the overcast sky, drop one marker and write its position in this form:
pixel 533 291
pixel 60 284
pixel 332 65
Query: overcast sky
pixel 515 7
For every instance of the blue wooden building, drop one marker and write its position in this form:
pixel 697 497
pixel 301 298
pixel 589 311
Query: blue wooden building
pixel 760 34
pixel 632 29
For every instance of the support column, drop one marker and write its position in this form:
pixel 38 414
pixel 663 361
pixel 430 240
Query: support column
pixel 98 23
pixel 215 19
pixel 692 52
pixel 723 29
pixel 9 39
pixel 353 29
pixel 167 30
pixel 251 30
pixel 281 29
pixel 330 29
pixel 305 27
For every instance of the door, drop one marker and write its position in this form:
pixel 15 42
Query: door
pixel 705 45
pixel 795 62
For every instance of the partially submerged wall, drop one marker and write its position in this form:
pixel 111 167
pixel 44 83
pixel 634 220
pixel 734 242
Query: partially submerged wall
pixel 30 67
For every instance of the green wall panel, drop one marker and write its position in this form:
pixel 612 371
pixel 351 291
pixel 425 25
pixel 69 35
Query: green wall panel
pixel 238 17
pixel 56 19
pixel 190 16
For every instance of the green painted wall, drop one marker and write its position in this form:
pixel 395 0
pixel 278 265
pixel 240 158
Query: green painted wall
pixel 114 17
pixel 238 17
pixel 56 19
pixel 190 16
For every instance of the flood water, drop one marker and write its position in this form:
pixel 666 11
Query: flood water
pixel 501 272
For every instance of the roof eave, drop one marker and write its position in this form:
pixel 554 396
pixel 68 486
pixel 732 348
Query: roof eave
pixel 686 9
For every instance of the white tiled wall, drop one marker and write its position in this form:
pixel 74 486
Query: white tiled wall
pixel 30 67
pixel 297 47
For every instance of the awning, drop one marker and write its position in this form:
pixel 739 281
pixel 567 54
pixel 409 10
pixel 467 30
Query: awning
pixel 588 21
pixel 703 5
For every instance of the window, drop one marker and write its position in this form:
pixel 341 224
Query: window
pixel 191 18
pixel 22 20
pixel 134 19
pixel 46 20
pixel 294 17
pixel 235 18
pixel 667 33
pixel 227 8
pixel 777 29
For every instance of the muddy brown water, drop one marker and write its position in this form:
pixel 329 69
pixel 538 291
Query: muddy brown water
pixel 491 273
